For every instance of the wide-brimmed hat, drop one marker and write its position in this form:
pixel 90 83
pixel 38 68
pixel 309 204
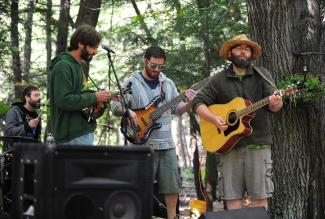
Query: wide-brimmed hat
pixel 238 40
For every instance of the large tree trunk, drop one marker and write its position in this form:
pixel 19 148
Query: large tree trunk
pixel 287 30
pixel 62 37
pixel 88 12
pixel 15 57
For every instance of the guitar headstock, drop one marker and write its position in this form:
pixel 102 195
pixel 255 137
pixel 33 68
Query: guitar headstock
pixel 291 89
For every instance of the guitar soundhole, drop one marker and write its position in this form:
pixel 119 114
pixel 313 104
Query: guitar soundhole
pixel 232 118
pixel 231 128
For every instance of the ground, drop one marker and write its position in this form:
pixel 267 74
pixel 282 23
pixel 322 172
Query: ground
pixel 188 193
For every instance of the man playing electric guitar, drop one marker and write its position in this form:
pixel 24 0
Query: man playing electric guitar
pixel 247 167
pixel 148 84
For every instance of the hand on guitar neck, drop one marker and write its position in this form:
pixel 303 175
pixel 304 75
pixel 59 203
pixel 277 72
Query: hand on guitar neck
pixel 103 96
pixel 275 101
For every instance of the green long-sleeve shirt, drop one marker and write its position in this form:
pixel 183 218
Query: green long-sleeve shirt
pixel 67 99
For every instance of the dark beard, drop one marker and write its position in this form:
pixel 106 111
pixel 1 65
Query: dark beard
pixel 35 105
pixel 240 62
pixel 85 55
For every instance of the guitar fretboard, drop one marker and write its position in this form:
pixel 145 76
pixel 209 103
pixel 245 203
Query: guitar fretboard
pixel 265 101
pixel 253 107
pixel 160 110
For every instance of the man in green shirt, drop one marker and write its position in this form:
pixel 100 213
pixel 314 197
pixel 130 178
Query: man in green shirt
pixel 67 90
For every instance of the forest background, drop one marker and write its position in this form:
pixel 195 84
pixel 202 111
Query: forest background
pixel 291 34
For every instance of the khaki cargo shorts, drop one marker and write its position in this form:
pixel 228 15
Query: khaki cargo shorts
pixel 244 169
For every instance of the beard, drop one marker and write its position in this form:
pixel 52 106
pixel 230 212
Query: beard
pixel 35 105
pixel 240 62
pixel 151 74
pixel 85 55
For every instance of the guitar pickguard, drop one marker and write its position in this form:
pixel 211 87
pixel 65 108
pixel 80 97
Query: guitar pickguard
pixel 231 128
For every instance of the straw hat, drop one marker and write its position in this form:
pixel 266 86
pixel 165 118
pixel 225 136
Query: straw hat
pixel 237 40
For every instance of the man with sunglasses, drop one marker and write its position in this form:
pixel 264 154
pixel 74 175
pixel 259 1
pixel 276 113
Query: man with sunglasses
pixel 147 85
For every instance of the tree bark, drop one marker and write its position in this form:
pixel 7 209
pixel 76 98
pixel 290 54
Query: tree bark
pixel 180 141
pixel 287 30
pixel 15 57
pixel 62 36
pixel 28 41
pixel 194 130
pixel 88 12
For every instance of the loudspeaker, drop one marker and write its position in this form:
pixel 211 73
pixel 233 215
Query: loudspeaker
pixel 243 213
pixel 82 182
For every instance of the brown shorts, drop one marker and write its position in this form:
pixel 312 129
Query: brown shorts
pixel 244 169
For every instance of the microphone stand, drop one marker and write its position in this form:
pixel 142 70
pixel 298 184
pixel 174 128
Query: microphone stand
pixel 123 102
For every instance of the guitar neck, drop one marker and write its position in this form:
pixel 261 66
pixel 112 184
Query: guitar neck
pixel 160 110
pixel 259 104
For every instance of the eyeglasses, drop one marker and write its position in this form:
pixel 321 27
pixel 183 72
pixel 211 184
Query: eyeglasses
pixel 154 66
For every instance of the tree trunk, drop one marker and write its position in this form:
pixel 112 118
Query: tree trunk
pixel 48 42
pixel 286 31
pixel 180 141
pixel 194 130
pixel 15 57
pixel 62 36
pixel 28 41
pixel 88 12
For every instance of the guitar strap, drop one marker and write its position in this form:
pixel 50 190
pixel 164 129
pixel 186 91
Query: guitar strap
pixel 264 77
pixel 162 92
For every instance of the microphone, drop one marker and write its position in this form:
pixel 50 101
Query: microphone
pixel 107 48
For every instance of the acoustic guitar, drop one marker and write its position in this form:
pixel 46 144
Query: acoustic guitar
pixel 237 113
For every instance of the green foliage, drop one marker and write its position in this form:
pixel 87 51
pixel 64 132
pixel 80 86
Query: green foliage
pixel 4 108
pixel 182 30
pixel 311 87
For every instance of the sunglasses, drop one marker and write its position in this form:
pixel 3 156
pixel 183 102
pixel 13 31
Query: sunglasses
pixel 154 66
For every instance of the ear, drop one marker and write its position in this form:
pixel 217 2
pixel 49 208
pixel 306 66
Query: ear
pixel 81 46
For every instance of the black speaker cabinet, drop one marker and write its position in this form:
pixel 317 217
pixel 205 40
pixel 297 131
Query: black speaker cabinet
pixel 243 213
pixel 82 182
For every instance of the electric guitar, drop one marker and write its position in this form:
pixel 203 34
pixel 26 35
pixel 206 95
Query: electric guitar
pixel 94 112
pixel 146 117
pixel 237 113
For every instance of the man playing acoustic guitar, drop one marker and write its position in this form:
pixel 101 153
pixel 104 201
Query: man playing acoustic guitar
pixel 248 166
pixel 67 96
pixel 148 85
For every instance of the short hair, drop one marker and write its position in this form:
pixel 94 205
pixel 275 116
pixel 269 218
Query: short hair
pixel 86 35
pixel 28 91
pixel 156 52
